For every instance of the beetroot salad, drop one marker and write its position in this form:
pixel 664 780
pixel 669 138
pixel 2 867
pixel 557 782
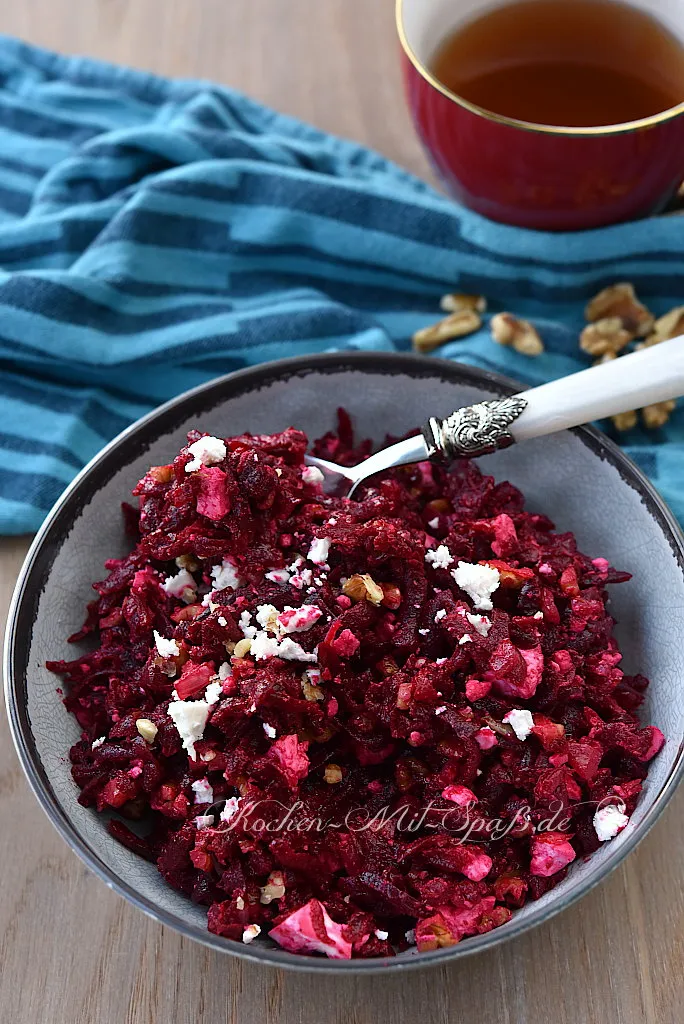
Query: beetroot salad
pixel 353 726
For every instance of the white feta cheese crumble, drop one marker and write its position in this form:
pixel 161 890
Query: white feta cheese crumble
pixel 440 711
pixel 181 585
pixel 203 790
pixel 267 617
pixel 538 615
pixel 441 614
pixel 608 821
pixel 213 692
pixel 165 648
pixel 250 933
pixel 478 581
pixel 222 621
pixel 239 903
pixel 520 721
pixel 248 631
pixel 230 808
pixel 380 934
pixel 290 620
pixel 190 718
pixel 225 671
pixel 319 550
pixel 225 575
pixel 292 651
pixel 298 620
pixel 270 731
pixel 264 646
pixel 98 742
pixel 277 576
pixel 440 661
pixel 302 579
pixel 312 475
pixel 465 639
pixel 439 558
pixel 423 632
pixel 480 623
pixel 205 452
pixel 204 821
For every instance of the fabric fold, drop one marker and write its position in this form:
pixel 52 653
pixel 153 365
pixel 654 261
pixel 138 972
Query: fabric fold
pixel 156 233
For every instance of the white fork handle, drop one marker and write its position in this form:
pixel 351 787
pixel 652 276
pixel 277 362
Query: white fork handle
pixel 654 374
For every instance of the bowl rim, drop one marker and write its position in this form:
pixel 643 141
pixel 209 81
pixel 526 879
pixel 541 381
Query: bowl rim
pixel 24 606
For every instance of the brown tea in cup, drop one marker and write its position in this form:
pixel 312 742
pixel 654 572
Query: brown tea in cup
pixel 574 63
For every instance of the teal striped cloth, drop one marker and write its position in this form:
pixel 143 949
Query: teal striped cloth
pixel 155 234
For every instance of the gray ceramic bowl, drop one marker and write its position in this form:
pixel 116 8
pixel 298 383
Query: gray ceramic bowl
pixel 579 478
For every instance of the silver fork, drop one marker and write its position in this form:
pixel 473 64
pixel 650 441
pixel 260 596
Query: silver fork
pixel 654 374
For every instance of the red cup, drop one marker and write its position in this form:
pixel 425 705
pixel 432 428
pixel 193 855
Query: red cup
pixel 533 175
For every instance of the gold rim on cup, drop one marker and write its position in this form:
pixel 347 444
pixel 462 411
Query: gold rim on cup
pixel 512 122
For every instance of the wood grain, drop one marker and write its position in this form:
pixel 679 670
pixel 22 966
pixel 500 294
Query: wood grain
pixel 71 952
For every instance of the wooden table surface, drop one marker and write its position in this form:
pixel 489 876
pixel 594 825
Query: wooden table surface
pixel 72 952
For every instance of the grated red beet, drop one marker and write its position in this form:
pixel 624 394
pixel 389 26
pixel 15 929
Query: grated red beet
pixel 355 783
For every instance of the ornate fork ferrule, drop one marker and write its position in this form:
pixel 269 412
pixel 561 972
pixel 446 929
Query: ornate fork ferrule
pixel 475 429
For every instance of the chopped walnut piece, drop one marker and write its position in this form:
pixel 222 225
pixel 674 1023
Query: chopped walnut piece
pixel 657 415
pixel 169 666
pixel 605 335
pixel 188 562
pixel 503 327
pixel 274 888
pixel 438 505
pixel 242 647
pixel 242 785
pixel 625 420
pixel 363 588
pixel 665 327
pixel 465 321
pixel 456 301
pixel 519 334
pixel 147 729
pixel 332 774
pixel 619 300
pixel 310 691
pixel 162 474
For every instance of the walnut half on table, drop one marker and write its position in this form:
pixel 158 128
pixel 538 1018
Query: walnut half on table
pixel 616 318
pixel 457 325
pixel 521 335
